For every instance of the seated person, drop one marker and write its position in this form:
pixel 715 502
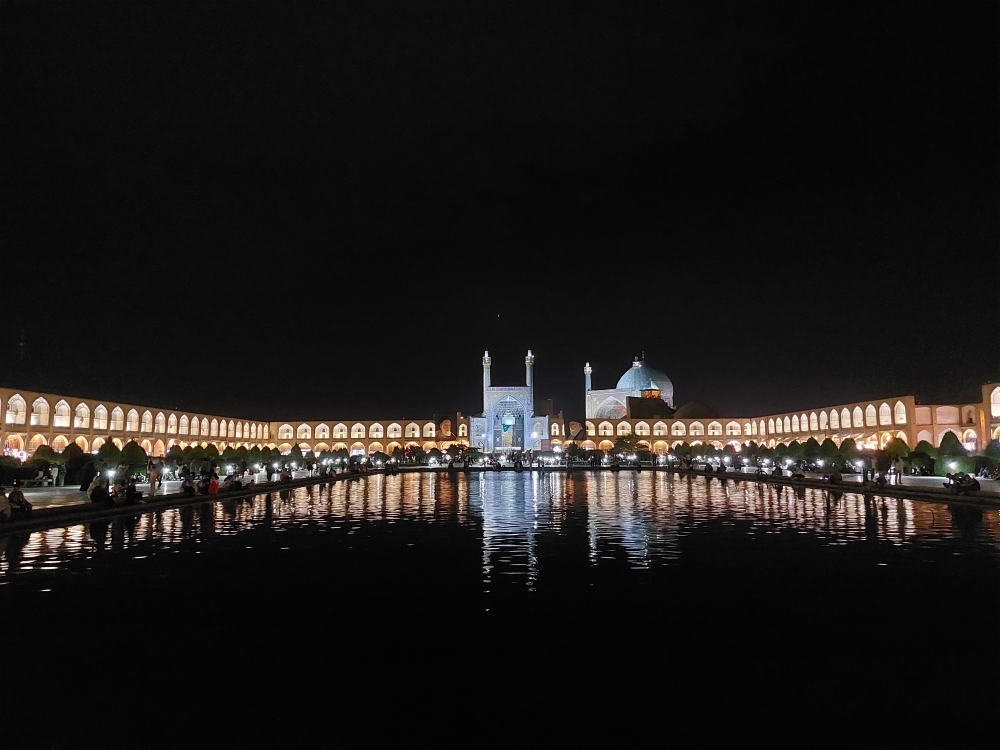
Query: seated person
pixel 720 469
pixel 227 484
pixel 777 472
pixel 132 495
pixel 100 493
pixel 187 486
pixel 798 473
pixel 5 508
pixel 835 476
pixel 203 485
pixel 17 502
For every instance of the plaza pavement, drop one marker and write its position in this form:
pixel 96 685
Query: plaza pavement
pixel 54 497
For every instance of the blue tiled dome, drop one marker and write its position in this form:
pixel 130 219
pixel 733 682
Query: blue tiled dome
pixel 641 376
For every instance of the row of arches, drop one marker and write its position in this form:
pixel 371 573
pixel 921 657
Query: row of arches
pixel 340 431
pixel 846 418
pixel 357 447
pixel 152 447
pixel 821 421
pixel 118 420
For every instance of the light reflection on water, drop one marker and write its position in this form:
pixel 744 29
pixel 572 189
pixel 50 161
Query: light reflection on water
pixel 641 517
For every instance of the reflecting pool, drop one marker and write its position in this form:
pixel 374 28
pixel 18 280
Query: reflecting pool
pixel 509 608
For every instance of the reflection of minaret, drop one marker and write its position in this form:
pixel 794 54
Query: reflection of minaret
pixel 587 372
pixel 486 381
pixel 529 367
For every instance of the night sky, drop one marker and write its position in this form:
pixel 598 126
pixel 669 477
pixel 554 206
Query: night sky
pixel 329 210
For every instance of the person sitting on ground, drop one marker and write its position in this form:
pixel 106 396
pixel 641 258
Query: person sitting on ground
pixel 798 473
pixel 213 485
pixel 132 494
pixel 17 502
pixel 720 469
pixel 188 487
pixel 5 508
pixel 100 493
pixel 835 476
pixel 960 483
pixel 777 472
pixel 93 484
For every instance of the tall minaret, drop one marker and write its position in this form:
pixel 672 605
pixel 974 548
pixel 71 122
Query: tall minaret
pixel 529 375
pixel 587 372
pixel 486 381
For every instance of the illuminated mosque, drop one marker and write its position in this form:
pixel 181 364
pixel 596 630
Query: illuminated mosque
pixel 511 421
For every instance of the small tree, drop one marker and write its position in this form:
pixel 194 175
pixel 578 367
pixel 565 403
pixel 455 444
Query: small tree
pixel 993 449
pixel 926 448
pixel 897 448
pixel 134 458
pixel 828 449
pixel 626 444
pixel 175 455
pixel 810 450
pixel 849 449
pixel 108 455
pixel 950 446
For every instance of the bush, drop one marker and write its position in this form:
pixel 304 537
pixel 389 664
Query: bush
pixel 993 449
pixel 953 464
pixel 897 448
pixel 918 460
pixel 950 445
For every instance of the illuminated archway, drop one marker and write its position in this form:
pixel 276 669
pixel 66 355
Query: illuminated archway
pixel 82 444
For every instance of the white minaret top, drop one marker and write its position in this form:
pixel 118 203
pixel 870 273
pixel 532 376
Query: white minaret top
pixel 486 380
pixel 587 372
pixel 529 380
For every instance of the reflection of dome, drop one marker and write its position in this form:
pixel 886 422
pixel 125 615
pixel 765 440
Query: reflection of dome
pixel 696 410
pixel 641 376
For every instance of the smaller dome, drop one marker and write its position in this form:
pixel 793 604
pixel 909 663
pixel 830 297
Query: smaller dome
pixel 696 410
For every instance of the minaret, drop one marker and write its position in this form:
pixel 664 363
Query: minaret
pixel 486 381
pixel 529 375
pixel 587 372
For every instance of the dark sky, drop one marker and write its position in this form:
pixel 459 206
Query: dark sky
pixel 286 210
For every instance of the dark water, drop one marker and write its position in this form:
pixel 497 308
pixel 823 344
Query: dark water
pixel 506 610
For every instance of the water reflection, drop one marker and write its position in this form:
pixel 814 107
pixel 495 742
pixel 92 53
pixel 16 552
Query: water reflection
pixel 638 519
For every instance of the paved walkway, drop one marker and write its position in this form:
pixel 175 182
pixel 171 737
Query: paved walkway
pixel 54 497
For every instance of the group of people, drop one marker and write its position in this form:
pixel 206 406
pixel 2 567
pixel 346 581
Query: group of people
pixel 14 505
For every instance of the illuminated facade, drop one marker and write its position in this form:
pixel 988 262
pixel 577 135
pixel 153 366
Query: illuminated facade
pixel 511 421
pixel 640 378
pixel 32 419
